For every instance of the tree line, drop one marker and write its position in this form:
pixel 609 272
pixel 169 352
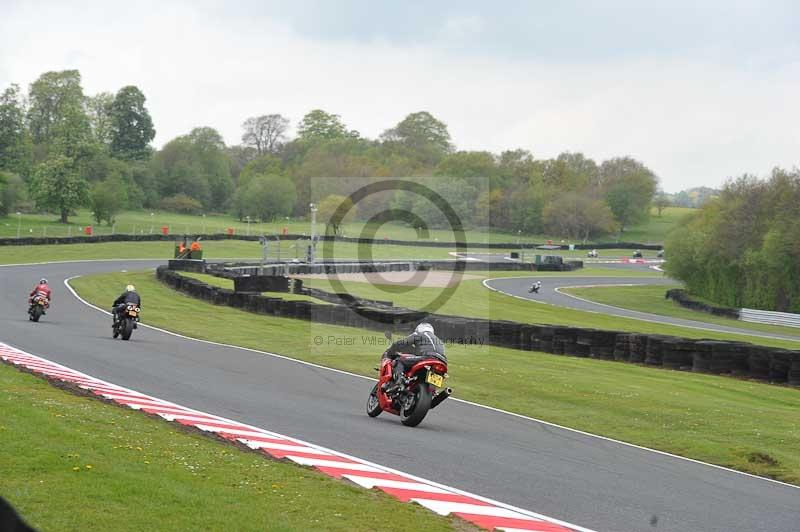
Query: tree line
pixel 61 149
pixel 742 249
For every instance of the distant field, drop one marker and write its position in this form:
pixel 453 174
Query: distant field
pixel 141 222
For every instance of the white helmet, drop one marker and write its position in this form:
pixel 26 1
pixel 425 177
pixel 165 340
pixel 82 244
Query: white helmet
pixel 423 328
pixel 130 288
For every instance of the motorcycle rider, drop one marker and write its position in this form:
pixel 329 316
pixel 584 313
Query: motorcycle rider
pixel 128 296
pixel 420 345
pixel 41 289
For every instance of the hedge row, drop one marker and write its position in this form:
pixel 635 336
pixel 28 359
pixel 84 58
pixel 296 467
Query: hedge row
pixel 707 356
pixel 680 296
pixel 83 239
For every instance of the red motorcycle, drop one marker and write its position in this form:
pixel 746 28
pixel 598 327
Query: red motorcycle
pixel 412 400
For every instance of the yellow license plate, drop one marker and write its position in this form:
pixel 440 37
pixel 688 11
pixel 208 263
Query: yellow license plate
pixel 435 379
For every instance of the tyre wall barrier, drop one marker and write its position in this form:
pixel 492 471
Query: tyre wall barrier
pixel 680 296
pixel 29 241
pixel 706 356
pixel 231 270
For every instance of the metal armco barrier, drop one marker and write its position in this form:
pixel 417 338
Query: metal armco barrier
pixel 771 318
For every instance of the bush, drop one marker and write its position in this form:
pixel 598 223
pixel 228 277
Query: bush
pixel 181 203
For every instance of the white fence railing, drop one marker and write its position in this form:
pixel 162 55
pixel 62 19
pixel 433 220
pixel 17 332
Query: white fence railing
pixel 772 318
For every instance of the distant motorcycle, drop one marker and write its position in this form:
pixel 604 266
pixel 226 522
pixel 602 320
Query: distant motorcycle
pixel 126 323
pixel 38 307
pixel 417 394
pixel 534 289
pixel 593 254
pixel 637 254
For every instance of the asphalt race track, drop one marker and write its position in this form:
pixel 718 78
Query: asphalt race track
pixel 549 293
pixel 588 481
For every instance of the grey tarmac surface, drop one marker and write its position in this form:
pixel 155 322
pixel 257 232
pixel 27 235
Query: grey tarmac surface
pixel 549 294
pixel 585 480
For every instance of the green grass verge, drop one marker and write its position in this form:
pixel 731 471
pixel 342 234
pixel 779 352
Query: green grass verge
pixel 141 222
pixel 225 249
pixel 472 299
pixel 651 299
pixel 750 426
pixel 73 463
pixel 228 283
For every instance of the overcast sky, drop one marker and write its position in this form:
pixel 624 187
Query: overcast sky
pixel 696 93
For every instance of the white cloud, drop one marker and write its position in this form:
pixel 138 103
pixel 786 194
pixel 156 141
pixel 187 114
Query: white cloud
pixel 692 121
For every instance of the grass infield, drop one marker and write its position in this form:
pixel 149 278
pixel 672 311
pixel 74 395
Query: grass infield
pixel 71 462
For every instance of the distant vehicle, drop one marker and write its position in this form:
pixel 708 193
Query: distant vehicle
pixel 593 254
pixel 534 289
pixel 637 254
pixel 660 254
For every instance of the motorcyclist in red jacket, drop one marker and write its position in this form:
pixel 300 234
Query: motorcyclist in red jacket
pixel 42 289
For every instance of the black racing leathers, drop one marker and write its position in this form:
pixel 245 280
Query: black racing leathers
pixel 420 346
pixel 124 299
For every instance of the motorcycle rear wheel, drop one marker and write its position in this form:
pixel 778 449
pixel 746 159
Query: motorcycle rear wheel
pixel 413 416
pixel 373 404
pixel 127 329
pixel 36 313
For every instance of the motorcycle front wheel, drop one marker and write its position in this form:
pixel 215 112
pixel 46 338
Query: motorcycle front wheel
pixel 416 408
pixel 373 404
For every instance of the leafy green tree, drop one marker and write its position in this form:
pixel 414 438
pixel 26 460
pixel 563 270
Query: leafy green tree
pixel 578 216
pixel 195 165
pixel 326 209
pixel 629 188
pixel 265 165
pixel 265 133
pixel 131 125
pixel 181 203
pixel 319 125
pixel 661 202
pixel 570 172
pixel 58 187
pixel 53 97
pixel 107 198
pixel 12 192
pixel 15 147
pixel 467 164
pixel 265 197
pixel 98 108
pixel 420 131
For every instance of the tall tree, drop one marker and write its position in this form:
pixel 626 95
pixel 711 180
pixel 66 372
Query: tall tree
pixel 578 216
pixel 195 165
pixel 51 97
pixel 58 187
pixel 265 133
pixel 98 107
pixel 12 191
pixel 14 143
pixel 131 125
pixel 629 188
pixel 319 125
pixel 264 197
pixel 419 131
